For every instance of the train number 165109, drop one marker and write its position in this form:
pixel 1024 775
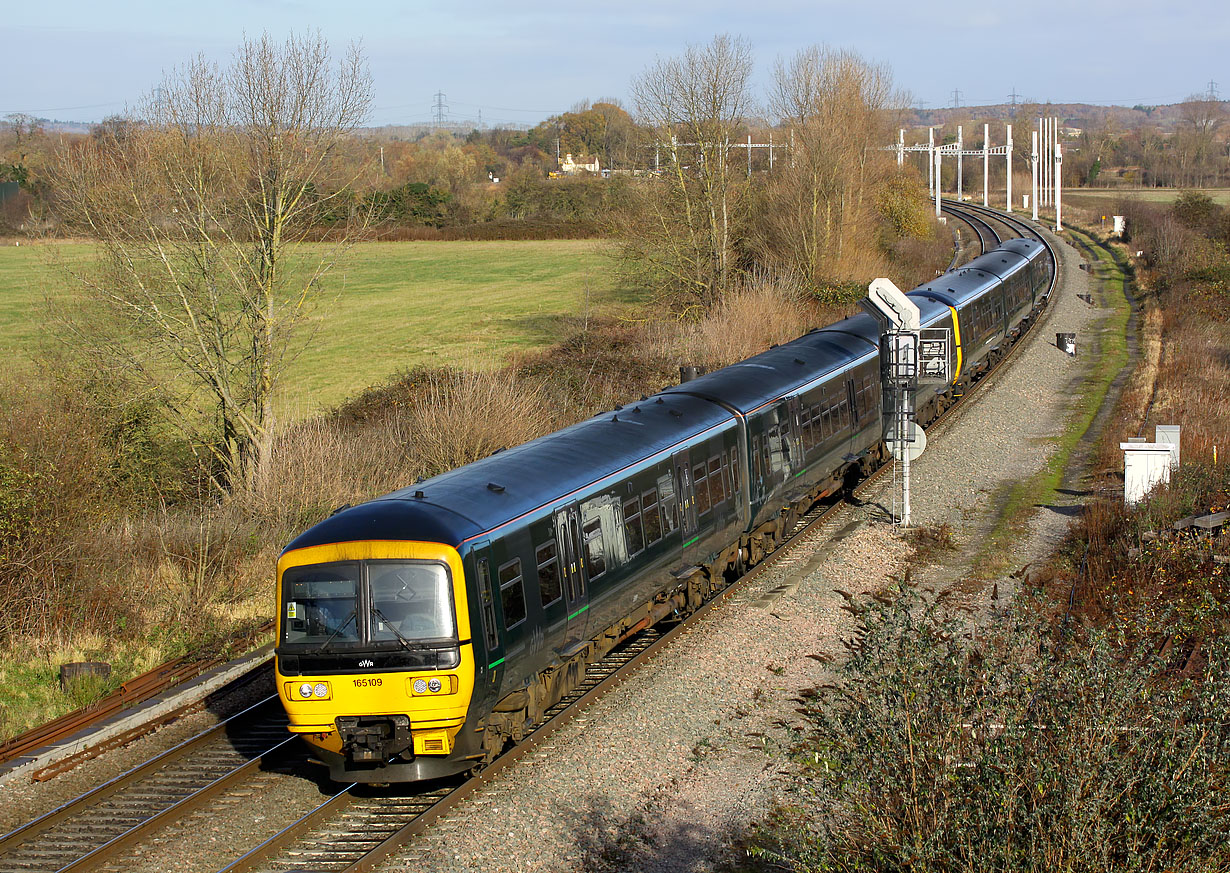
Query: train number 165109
pixel 369 683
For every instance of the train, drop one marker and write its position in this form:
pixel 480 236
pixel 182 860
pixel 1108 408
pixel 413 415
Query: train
pixel 422 632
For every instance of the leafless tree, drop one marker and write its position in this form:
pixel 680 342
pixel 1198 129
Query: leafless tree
pixel 199 209
pixel 1195 141
pixel 686 220
pixel 840 110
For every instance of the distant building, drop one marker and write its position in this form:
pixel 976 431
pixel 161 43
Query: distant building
pixel 1071 132
pixel 583 164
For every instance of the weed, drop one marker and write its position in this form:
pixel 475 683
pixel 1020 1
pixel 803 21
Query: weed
pixel 1019 753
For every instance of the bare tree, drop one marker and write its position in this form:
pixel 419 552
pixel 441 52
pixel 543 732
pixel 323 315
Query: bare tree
pixel 840 110
pixel 685 222
pixel 1195 141
pixel 199 208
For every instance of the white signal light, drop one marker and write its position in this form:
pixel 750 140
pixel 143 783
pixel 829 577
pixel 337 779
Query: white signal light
pixel 420 686
pixel 305 690
pixel 434 685
pixel 321 690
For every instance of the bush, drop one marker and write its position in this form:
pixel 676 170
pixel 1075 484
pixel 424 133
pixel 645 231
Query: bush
pixel 1020 751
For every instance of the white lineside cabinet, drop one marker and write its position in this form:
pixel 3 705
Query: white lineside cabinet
pixel 1169 434
pixel 1144 466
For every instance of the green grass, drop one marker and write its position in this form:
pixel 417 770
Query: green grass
pixel 387 307
pixel 1091 197
pixel 1018 500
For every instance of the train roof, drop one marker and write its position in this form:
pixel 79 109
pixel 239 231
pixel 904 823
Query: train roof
pixel 1026 248
pixel 1001 262
pixel 749 384
pixel 471 500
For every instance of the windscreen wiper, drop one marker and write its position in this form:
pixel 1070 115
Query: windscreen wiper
pixel 337 630
pixel 405 643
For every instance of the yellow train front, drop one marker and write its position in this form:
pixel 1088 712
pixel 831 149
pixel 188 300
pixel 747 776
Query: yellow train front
pixel 374 661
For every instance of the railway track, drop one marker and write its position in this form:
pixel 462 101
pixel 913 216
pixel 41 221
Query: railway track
pixel 988 237
pixel 98 825
pixel 135 691
pixel 361 825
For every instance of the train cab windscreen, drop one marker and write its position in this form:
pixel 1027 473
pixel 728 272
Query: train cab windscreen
pixel 320 605
pixel 331 606
pixel 410 601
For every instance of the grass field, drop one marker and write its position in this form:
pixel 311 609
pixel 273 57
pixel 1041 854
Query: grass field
pixel 1091 197
pixel 389 306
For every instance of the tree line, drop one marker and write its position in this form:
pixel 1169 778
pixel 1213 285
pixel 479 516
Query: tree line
pixel 202 197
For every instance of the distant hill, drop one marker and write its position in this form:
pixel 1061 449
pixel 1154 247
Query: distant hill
pixel 1082 115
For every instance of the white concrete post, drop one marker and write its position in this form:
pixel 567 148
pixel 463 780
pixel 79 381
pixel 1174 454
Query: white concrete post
pixel 960 152
pixel 1046 164
pixel 749 156
pixel 1046 158
pixel 1008 157
pixel 1050 161
pixel 771 152
pixel 900 148
pixel 931 160
pixel 986 161
pixel 1033 162
pixel 938 164
pixel 1058 188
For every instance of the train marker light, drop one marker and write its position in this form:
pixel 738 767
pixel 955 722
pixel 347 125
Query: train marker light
pixel 420 686
pixel 321 690
pixel 305 690
pixel 434 685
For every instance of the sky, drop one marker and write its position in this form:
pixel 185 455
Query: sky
pixel 511 62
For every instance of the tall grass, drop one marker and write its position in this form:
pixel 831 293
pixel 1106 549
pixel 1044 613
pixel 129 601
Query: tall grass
pixel 1023 751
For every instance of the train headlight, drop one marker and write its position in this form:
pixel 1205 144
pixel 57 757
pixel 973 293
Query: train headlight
pixel 321 690
pixel 428 686
pixel 305 690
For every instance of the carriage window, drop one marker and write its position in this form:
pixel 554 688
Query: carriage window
pixel 701 488
pixel 717 487
pixel 633 531
pixel 549 588
pixel 484 587
pixel 649 516
pixel 734 470
pixel 512 593
pixel 594 549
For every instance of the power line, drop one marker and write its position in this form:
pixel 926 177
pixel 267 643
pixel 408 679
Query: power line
pixel 1213 90
pixel 1013 97
pixel 956 98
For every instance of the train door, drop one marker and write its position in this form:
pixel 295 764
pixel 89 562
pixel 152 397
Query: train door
pixel 488 625
pixel 687 495
pixel 573 573
pixel 793 437
pixel 855 416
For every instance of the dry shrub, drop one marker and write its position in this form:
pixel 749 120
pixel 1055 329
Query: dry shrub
pixel 757 313
pixel 1193 388
pixel 422 424
pixel 469 415
pixel 321 464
